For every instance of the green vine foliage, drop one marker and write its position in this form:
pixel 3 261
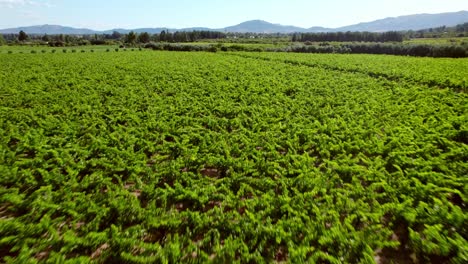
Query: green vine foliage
pixel 160 157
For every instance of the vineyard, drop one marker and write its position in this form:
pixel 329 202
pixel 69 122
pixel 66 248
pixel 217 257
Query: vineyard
pixel 178 157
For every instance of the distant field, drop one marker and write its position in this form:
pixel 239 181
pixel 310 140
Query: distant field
pixel 273 45
pixel 438 41
pixel 194 157
pixel 47 49
pixel 440 72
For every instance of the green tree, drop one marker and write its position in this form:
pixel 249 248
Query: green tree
pixel 60 38
pixel 144 37
pixel 180 37
pixel 2 40
pixel 45 38
pixel 162 36
pixel 67 38
pixel 116 35
pixel 22 36
pixel 294 37
pixel 131 37
pixel 462 28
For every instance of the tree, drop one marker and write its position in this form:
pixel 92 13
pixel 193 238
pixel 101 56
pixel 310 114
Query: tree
pixel 2 40
pixel 131 37
pixel 294 37
pixel 22 36
pixel 116 35
pixel 67 38
pixel 59 38
pixel 162 36
pixel 144 37
pixel 462 27
pixel 180 37
pixel 45 38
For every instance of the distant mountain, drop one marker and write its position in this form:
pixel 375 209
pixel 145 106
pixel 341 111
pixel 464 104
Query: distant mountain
pixel 319 29
pixel 50 29
pixel 137 30
pixel 196 29
pixel 260 26
pixel 411 22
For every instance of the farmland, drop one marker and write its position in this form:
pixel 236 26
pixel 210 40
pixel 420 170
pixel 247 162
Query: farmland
pixel 169 157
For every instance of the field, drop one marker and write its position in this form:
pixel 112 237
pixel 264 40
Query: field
pixel 440 73
pixel 438 41
pixel 178 157
pixel 46 49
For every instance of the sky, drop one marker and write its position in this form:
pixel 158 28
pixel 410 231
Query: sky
pixel 104 15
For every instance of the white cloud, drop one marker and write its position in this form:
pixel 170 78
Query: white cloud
pixel 22 3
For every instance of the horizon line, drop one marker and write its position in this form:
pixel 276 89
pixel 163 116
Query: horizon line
pixel 251 20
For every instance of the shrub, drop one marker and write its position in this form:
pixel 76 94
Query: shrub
pixel 153 46
pixel 10 52
pixel 98 42
pixel 107 50
pixel 53 51
pixel 56 44
pixel 83 51
pixel 83 43
pixel 92 50
pixel 73 50
pixel 33 51
pixel 43 51
pixel 64 51
pixel 237 48
pixel 116 50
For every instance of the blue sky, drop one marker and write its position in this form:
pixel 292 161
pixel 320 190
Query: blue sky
pixel 101 15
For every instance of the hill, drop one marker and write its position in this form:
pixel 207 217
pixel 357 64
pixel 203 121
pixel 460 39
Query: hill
pixel 50 29
pixel 260 26
pixel 410 22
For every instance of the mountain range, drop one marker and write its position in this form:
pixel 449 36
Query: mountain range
pixel 410 22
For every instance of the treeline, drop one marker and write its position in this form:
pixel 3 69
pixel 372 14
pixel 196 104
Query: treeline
pixel 181 47
pixel 114 38
pixel 391 36
pixel 23 38
pixel 195 47
pixel 460 30
pixel 417 50
pixel 182 36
